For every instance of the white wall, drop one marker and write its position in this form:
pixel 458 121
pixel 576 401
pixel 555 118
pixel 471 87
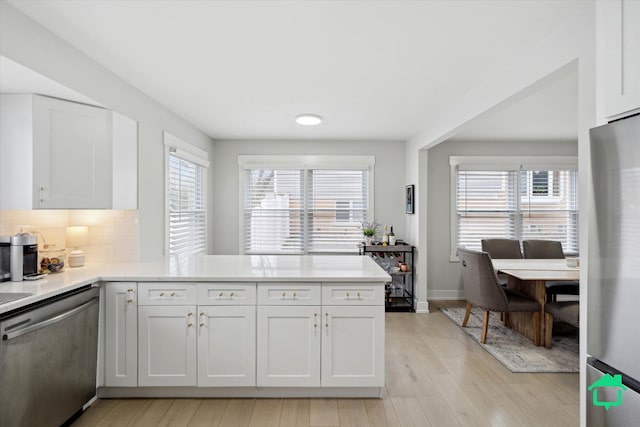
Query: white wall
pixel 388 186
pixel 27 43
pixel 443 277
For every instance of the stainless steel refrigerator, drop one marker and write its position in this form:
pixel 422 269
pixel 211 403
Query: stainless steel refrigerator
pixel 613 312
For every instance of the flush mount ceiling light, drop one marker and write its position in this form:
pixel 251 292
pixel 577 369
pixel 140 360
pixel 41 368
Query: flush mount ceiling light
pixel 308 119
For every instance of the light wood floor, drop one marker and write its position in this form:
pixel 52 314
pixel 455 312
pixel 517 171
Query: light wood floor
pixel 435 376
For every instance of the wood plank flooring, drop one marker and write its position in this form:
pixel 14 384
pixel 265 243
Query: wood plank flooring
pixel 435 376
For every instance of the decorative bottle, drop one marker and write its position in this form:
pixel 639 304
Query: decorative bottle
pixel 392 237
pixel 385 237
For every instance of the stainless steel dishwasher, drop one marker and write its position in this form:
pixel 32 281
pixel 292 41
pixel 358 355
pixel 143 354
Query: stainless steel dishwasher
pixel 48 357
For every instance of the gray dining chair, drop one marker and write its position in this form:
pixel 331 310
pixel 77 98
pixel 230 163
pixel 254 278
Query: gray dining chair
pixel 482 290
pixel 566 311
pixel 550 249
pixel 502 249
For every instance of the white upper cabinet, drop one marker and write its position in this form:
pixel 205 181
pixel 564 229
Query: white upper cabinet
pixel 57 154
pixel 619 56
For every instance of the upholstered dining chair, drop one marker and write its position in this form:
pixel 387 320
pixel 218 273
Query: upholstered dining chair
pixel 502 249
pixel 567 311
pixel 550 249
pixel 483 290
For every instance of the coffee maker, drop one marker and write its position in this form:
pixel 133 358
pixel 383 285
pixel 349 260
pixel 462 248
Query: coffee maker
pixel 18 256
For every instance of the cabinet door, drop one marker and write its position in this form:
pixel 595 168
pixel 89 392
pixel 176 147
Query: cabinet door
pixel 65 132
pixel 226 346
pixel 121 335
pixel 352 346
pixel 167 345
pixel 620 61
pixel 288 346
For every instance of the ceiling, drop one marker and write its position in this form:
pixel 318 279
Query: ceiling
pixel 373 69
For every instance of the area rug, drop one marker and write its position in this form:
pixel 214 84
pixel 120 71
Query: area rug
pixel 517 353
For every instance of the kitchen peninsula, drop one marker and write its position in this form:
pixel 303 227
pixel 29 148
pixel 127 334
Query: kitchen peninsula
pixel 227 325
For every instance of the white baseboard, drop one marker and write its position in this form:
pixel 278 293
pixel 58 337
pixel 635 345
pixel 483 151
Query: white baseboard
pixel 422 307
pixel 240 392
pixel 440 295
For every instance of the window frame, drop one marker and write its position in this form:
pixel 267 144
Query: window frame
pixel 498 163
pixel 193 154
pixel 304 163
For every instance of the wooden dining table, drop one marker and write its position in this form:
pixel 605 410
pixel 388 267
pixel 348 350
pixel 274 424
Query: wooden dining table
pixel 529 276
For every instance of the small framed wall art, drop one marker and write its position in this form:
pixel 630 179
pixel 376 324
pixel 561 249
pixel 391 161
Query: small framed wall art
pixel 410 199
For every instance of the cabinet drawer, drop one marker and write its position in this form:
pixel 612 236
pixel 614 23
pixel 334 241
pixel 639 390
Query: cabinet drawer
pixel 352 294
pixel 170 293
pixel 226 294
pixel 289 293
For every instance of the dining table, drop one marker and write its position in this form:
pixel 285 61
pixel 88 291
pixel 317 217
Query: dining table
pixel 529 276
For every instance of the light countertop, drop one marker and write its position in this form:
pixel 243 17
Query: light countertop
pixel 232 268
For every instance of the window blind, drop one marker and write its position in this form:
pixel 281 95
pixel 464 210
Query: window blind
pixel 549 206
pixel 302 210
pixel 186 205
pixel 274 211
pixel 516 204
pixel 485 205
pixel 337 204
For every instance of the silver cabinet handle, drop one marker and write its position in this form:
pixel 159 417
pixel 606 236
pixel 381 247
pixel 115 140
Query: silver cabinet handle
pixel 129 297
pixel 189 323
pixel 231 295
pixel 173 294
pixel 315 320
pixel 202 324
pixel 50 321
pixel 161 294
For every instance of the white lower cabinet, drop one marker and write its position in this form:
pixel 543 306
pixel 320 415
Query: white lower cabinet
pixel 121 335
pixel 226 346
pixel 167 345
pixel 321 345
pixel 288 346
pixel 353 346
pixel 239 335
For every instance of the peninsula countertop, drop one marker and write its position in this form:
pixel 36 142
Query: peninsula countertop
pixel 201 268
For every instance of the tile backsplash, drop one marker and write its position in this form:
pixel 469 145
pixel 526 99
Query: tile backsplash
pixel 113 234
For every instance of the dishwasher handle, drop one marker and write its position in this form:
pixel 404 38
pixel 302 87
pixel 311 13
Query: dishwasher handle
pixel 49 321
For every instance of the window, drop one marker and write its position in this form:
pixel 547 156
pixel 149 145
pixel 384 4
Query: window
pixel 306 206
pixel 505 198
pixel 186 198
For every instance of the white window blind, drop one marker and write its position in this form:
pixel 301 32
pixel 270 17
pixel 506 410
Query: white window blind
pixel 274 211
pixel 516 203
pixel 337 204
pixel 485 205
pixel 304 210
pixel 186 204
pixel 549 207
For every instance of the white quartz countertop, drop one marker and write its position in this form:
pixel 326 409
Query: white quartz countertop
pixel 232 268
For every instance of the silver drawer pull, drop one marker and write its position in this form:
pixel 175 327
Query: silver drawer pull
pixel 173 294
pixel 231 295
pixel 161 294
